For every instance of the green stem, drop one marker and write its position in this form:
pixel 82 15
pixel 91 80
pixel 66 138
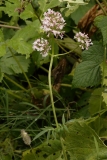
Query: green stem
pixel 63 54
pixel 101 7
pixel 50 89
pixel 7 26
pixel 51 97
pixel 21 68
pixel 15 83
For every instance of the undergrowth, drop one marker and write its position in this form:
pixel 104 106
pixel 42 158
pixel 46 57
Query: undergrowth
pixel 53 79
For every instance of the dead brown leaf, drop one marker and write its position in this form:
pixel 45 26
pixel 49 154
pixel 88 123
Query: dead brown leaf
pixel 86 23
pixel 58 73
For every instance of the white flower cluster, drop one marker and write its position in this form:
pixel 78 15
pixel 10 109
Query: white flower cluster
pixel 83 39
pixel 53 22
pixel 42 45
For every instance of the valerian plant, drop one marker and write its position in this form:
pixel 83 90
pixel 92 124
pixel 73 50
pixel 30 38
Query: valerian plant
pixel 53 82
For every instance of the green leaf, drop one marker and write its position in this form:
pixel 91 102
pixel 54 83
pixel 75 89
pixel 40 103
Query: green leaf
pixel 9 65
pixel 5 157
pixel 95 101
pixel 11 7
pixel 27 13
pixel 102 25
pixel 87 74
pixel 2 44
pixel 104 71
pixel 80 143
pixel 94 53
pixel 52 4
pixel 81 11
pixel 44 6
pixel 20 41
pixel 1 76
pixel 50 150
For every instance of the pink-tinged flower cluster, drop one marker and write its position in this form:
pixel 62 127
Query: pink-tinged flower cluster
pixel 42 45
pixel 83 39
pixel 53 22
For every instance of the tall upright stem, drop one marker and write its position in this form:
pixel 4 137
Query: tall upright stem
pixel 50 89
pixel 52 100
pixel 50 84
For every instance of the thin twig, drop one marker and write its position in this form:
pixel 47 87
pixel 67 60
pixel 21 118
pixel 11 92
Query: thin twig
pixel 7 26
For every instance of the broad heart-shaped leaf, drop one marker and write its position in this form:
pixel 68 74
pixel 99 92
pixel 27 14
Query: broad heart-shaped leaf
pixel 50 150
pixel 20 41
pixel 87 74
pixel 9 65
pixel 102 25
pixel 94 53
pixel 82 143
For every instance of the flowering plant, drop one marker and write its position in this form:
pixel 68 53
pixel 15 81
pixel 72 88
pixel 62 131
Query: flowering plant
pixel 53 22
pixel 42 45
pixel 83 39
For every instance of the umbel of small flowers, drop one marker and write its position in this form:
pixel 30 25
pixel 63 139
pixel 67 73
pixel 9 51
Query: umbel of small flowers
pixel 42 45
pixel 53 23
pixel 83 39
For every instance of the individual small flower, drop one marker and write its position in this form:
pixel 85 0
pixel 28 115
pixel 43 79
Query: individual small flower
pixel 26 138
pixel 83 39
pixel 42 45
pixel 53 22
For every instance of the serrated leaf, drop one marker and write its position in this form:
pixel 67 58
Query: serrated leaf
pixel 19 42
pixel 87 74
pixel 44 6
pixel 52 4
pixel 11 7
pixel 98 19
pixel 102 25
pixel 9 65
pixel 104 71
pixel 94 53
pixel 104 95
pixel 50 150
pixel 27 13
pixel 80 143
